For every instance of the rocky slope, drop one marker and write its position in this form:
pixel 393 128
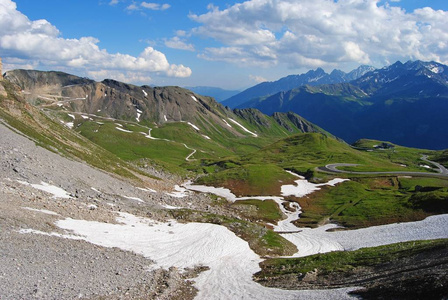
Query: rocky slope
pixel 145 104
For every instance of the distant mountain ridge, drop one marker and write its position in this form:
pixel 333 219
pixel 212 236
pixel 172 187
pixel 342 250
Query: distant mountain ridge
pixel 402 103
pixel 148 105
pixel 312 77
pixel 218 93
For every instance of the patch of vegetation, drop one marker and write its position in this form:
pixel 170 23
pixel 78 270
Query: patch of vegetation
pixel 431 201
pixel 259 211
pixel 341 262
pixel 362 202
pixel 250 179
pixel 262 241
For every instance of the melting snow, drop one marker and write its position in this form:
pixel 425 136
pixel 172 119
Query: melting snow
pixel 44 211
pixel 194 126
pixel 232 263
pixel 303 187
pixel 194 98
pixel 227 123
pixel 71 116
pixel 242 127
pixel 144 92
pixel 124 130
pixel 133 198
pixel 206 137
pixel 180 192
pixel 43 186
pixel 147 190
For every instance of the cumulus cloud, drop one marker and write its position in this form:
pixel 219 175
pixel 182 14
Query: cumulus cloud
pixel 310 33
pixel 177 43
pixel 32 41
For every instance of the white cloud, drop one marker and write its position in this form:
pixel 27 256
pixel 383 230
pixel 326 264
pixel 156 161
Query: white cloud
pixel 257 79
pixel 155 6
pixel 310 33
pixel 177 43
pixel 39 41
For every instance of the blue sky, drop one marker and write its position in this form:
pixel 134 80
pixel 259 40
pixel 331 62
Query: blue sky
pixel 228 44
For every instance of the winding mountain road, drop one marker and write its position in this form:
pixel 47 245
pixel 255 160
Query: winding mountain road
pixel 333 168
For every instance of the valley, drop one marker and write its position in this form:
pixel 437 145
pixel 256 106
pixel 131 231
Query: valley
pixel 193 198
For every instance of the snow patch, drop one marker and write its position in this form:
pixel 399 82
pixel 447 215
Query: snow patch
pixel 57 192
pixel 134 198
pixel 71 116
pixel 242 127
pixel 206 137
pixel 44 211
pixel 144 92
pixel 194 126
pixel 194 98
pixel 147 190
pixel 227 123
pixel 180 192
pixel 303 187
pixel 124 130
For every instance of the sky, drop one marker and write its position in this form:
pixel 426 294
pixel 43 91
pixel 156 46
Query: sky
pixel 224 43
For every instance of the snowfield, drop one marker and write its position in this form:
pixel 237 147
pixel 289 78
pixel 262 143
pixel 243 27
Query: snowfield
pixel 318 240
pixel 232 263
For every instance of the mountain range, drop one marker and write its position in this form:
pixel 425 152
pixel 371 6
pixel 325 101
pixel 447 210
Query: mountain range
pixel 402 103
pixel 312 78
pixel 218 93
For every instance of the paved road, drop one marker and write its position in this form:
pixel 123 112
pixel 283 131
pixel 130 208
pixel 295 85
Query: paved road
pixel 442 172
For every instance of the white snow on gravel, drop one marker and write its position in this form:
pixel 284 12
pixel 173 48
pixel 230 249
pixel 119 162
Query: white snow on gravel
pixel 232 263
pixel 44 211
pixel 85 117
pixel 133 198
pixel 194 98
pixel 57 192
pixel 147 190
pixel 69 124
pixel 71 116
pixel 242 127
pixel 164 116
pixel 144 92
pixel 180 192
